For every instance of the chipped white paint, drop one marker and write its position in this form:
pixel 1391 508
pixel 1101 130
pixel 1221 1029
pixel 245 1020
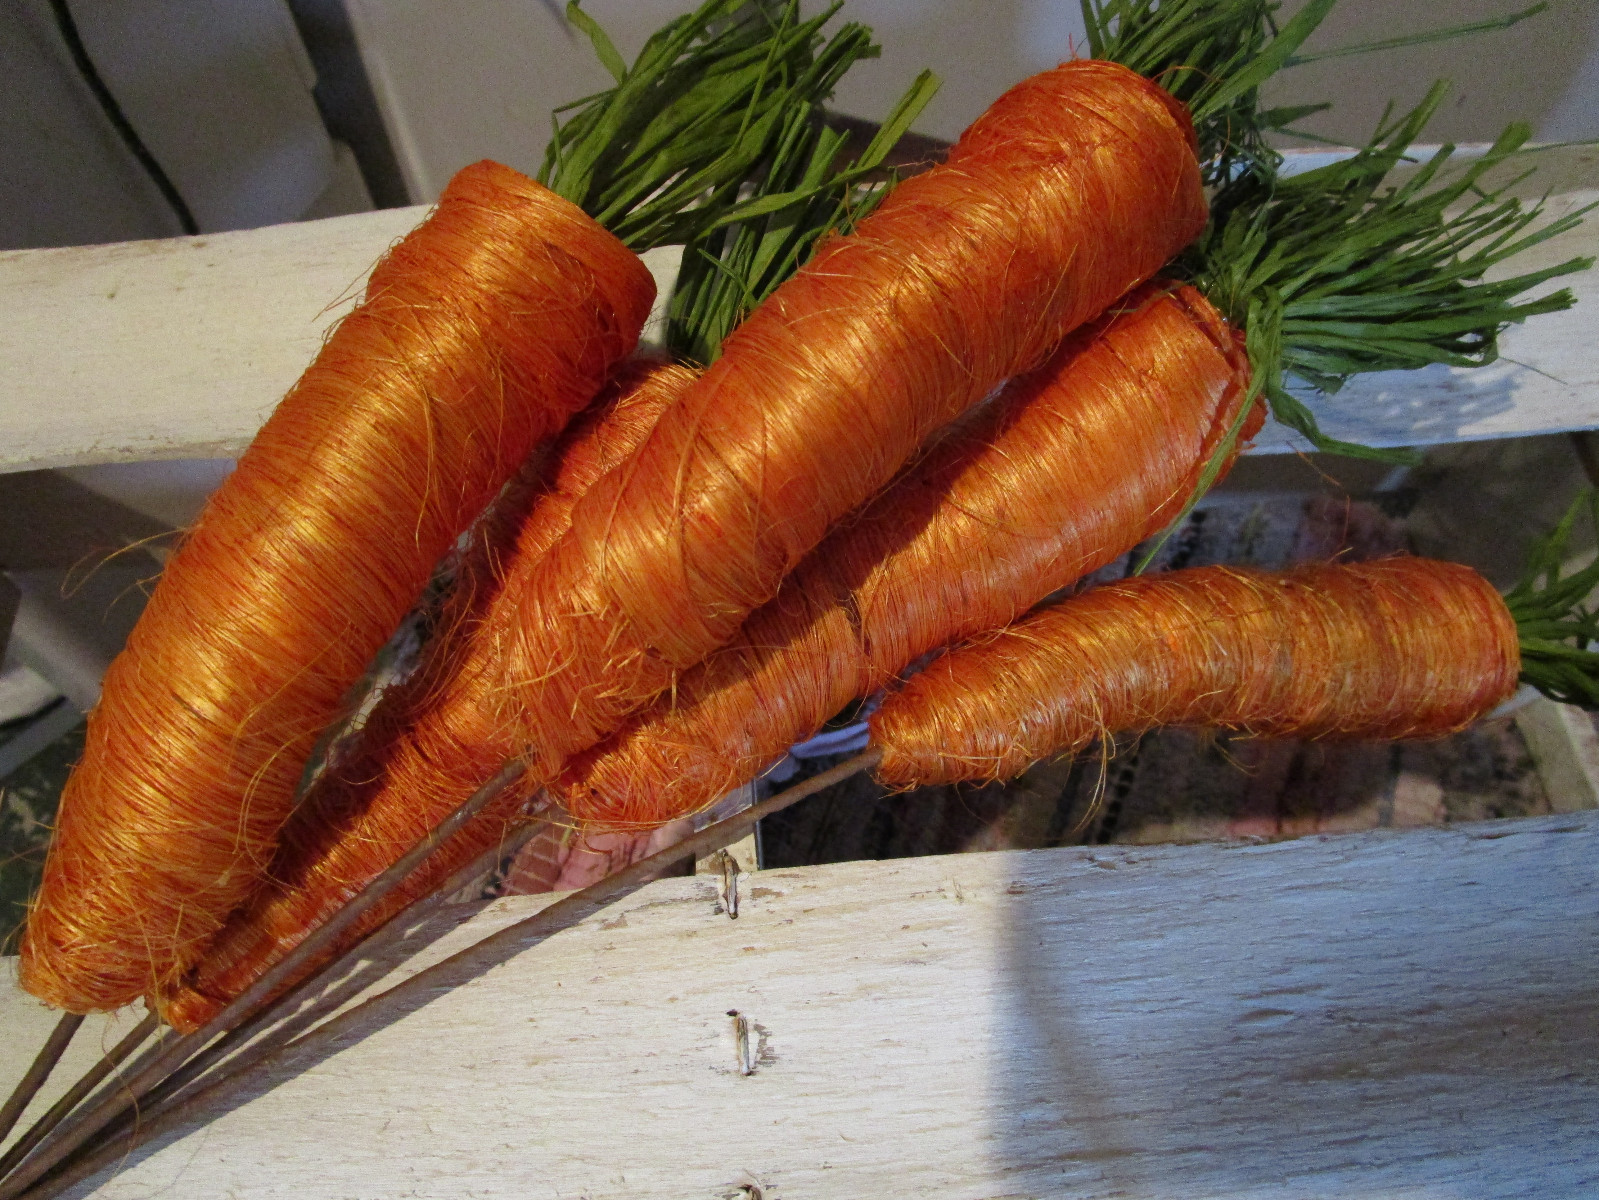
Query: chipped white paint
pixel 1386 1015
pixel 180 348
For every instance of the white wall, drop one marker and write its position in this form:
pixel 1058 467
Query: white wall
pixel 219 90
pixel 466 79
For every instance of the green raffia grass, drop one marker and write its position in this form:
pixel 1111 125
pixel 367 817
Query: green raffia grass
pixel 667 155
pixel 713 139
pixel 801 195
pixel 1556 628
pixel 1214 55
pixel 1331 274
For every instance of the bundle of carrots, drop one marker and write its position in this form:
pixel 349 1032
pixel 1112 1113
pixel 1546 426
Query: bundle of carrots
pixel 668 616
pixel 480 336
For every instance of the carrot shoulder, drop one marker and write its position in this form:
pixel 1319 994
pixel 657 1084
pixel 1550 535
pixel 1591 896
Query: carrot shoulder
pixel 1397 648
pixel 481 333
pixel 1077 184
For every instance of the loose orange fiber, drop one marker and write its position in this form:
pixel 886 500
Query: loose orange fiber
pixel 432 740
pixel 1396 648
pixel 480 334
pixel 1076 185
pixel 1066 470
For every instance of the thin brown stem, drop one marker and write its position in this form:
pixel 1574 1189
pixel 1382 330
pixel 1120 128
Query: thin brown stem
pixel 465 964
pixel 161 1096
pixel 43 1063
pixel 76 1131
pixel 108 1062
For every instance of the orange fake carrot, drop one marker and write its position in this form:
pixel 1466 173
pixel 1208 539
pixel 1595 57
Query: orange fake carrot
pixel 1075 185
pixel 1396 648
pixel 480 334
pixel 432 739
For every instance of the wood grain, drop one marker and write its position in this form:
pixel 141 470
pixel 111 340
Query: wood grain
pixel 1386 1015
pixel 180 348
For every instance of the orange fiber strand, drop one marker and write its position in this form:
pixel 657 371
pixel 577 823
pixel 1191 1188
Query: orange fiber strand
pixel 431 740
pixel 1067 469
pixel 1079 183
pixel 480 334
pixel 1396 648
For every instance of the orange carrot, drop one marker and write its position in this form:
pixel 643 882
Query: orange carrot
pixel 1076 184
pixel 761 450
pixel 1067 469
pixel 480 334
pixel 432 739
pixel 1396 648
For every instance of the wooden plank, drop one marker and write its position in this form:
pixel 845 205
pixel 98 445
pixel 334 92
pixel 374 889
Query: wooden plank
pixel 172 348
pixel 1401 1015
pixel 180 348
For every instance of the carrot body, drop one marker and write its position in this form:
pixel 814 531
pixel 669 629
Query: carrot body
pixel 1067 469
pixel 431 740
pixel 1077 184
pixel 1396 648
pixel 481 333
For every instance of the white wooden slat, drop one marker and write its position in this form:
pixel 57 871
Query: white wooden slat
pixel 1384 1015
pixel 180 348
pixel 1546 379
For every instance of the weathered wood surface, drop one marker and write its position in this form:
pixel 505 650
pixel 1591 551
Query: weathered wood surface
pixel 180 348
pixel 1386 1015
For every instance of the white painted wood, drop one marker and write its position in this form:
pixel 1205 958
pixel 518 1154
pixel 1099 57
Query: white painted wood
pixel 1564 745
pixel 180 348
pixel 1386 1015
pixel 177 348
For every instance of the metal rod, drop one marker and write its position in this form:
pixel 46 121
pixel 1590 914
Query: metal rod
pixel 108 1063
pixel 470 962
pixel 77 1130
pixel 43 1063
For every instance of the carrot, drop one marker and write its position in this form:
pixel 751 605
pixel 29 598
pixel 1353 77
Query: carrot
pixel 433 738
pixel 1396 648
pixel 1067 469
pixel 480 334
pixel 1075 185
pixel 963 542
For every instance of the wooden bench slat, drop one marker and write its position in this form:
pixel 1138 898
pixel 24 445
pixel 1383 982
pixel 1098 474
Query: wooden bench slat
pixel 1393 1014
pixel 180 348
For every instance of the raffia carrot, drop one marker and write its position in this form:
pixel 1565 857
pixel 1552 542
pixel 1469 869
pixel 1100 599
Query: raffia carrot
pixel 457 312
pixel 767 427
pixel 1396 648
pixel 1066 470
pixel 1075 185
pixel 435 737
pixel 480 334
